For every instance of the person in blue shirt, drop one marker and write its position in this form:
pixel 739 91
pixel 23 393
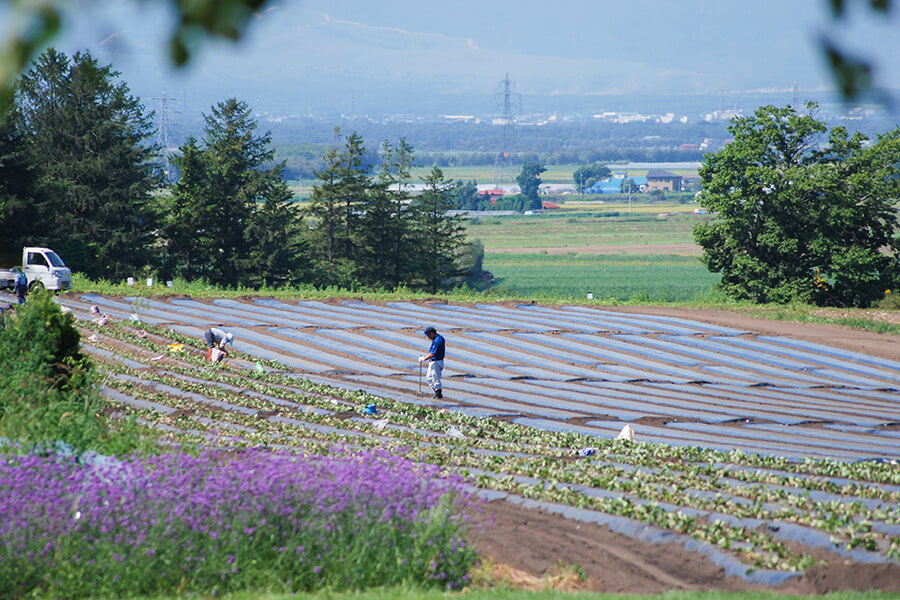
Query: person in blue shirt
pixel 21 285
pixel 436 356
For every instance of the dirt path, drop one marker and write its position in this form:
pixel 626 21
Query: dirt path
pixel 875 344
pixel 686 249
pixel 538 544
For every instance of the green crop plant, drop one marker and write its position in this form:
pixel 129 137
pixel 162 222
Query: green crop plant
pixel 681 489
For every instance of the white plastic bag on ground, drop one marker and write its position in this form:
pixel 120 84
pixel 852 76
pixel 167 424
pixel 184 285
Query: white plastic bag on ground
pixel 455 433
pixel 626 434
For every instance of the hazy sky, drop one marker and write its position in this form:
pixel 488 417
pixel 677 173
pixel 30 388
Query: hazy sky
pixel 303 55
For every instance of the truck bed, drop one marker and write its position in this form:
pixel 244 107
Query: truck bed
pixel 7 279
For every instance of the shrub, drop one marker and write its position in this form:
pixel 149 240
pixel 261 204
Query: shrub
pixel 47 387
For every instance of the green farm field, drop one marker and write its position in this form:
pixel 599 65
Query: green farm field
pixel 617 258
pixel 610 278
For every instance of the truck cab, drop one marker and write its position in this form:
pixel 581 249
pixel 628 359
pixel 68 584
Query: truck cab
pixel 44 268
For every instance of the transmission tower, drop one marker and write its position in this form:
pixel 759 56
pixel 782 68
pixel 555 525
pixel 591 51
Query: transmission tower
pixel 506 134
pixel 162 136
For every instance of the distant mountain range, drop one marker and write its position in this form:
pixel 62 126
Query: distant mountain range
pixel 426 58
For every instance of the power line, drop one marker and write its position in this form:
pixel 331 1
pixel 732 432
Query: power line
pixel 506 133
pixel 162 135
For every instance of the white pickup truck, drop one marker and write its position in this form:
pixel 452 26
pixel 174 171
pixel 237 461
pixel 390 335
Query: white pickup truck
pixel 43 267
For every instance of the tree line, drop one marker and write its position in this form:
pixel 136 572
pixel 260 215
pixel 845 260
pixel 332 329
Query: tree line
pixel 80 172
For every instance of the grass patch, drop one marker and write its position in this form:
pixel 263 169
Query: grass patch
pixel 506 593
pixel 857 319
pixel 556 174
pixel 610 278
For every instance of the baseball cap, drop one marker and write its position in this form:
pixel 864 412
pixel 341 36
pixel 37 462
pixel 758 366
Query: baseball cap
pixel 229 338
pixel 429 330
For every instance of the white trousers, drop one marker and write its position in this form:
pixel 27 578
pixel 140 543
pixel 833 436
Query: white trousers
pixel 433 376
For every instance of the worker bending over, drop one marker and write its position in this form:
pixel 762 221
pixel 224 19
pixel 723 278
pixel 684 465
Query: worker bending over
pixel 217 338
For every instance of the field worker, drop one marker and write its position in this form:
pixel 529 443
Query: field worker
pixel 21 284
pixel 217 338
pixel 436 356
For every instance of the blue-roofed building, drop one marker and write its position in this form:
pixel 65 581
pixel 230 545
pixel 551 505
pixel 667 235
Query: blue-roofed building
pixel 614 185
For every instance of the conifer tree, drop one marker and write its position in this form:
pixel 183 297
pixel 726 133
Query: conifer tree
pixel 17 219
pixel 88 141
pixel 278 242
pixel 236 158
pixel 324 208
pixel 439 237
pixel 336 209
pixel 231 219
pixel 190 215
pixel 386 220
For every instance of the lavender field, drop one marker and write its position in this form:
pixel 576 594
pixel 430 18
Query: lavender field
pixel 223 520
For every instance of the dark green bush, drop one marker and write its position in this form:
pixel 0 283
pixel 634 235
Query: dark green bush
pixel 48 388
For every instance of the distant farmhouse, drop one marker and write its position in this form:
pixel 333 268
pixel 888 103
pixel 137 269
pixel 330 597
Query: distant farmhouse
pixel 660 179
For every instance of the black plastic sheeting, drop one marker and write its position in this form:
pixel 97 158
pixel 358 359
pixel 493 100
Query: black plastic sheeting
pixel 697 384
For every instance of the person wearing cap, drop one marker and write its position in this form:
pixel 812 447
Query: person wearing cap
pixel 436 356
pixel 217 338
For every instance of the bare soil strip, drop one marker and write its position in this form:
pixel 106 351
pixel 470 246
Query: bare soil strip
pixel 683 249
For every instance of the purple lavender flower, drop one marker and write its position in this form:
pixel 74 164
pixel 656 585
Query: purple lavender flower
pixel 225 516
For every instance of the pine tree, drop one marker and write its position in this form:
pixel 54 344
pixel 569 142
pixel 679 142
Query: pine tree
pixel 385 227
pixel 89 143
pixel 190 215
pixel 375 238
pixel 438 237
pixel 236 180
pixel 401 244
pixel 324 208
pixel 17 219
pixel 278 243
pixel 336 209
pixel 231 218
pixel 354 185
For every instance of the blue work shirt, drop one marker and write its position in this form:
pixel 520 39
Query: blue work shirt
pixel 437 347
